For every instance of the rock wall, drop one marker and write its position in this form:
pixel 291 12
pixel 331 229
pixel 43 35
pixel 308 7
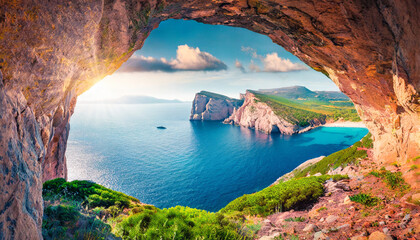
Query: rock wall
pixel 50 53
pixel 209 108
pixel 256 114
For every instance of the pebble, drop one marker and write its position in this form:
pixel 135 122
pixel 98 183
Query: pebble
pixel 320 236
pixel 322 219
pixel 379 236
pixel 407 218
pixel 387 217
pixel 347 200
pixel 381 223
pixel 343 226
pixel 385 230
pixel 331 219
pixel 310 228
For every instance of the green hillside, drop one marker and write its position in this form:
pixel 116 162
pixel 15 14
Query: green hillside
pixel 299 105
pixel 217 96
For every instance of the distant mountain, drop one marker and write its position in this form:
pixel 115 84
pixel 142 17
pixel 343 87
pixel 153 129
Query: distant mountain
pixel 135 100
pixel 296 92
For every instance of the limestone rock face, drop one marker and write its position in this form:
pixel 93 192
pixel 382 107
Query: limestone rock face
pixel 256 114
pixel 50 53
pixel 212 108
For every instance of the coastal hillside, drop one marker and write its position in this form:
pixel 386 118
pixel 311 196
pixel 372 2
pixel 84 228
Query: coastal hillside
pixel 292 110
pixel 213 106
pixel 345 195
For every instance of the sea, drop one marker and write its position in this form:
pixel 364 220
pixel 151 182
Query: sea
pixel 198 164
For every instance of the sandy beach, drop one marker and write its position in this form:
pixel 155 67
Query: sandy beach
pixel 345 124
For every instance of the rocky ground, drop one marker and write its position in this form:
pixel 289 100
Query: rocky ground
pixel 335 216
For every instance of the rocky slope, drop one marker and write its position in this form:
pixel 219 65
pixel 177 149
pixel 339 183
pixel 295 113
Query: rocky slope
pixel 256 114
pixel 211 106
pixel 50 53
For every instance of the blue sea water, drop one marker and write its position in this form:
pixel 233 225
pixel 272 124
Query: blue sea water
pixel 197 164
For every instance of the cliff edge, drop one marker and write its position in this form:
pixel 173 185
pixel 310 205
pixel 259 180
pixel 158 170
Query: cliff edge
pixel 212 106
pixel 258 114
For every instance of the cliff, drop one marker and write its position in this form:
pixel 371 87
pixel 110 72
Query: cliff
pixel 212 106
pixel 51 53
pixel 259 115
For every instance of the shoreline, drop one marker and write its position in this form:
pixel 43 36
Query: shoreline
pixel 345 124
pixel 290 175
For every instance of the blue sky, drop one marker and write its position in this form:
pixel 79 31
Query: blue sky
pixel 182 57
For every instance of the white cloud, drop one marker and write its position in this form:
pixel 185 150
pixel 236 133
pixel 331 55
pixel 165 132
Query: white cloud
pixel 272 62
pixel 187 59
pixel 239 65
pixel 254 67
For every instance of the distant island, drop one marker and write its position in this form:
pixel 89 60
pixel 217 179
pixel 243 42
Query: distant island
pixel 287 110
pixel 133 100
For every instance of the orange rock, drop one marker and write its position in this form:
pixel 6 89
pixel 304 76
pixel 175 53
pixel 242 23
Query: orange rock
pixel 379 236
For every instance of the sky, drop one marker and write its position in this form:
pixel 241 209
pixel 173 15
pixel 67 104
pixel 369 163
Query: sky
pixel 181 58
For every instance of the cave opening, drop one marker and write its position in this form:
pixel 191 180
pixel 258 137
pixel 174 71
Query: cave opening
pixel 202 164
pixel 51 53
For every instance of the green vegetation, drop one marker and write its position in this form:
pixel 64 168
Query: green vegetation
pixel 177 223
pixel 287 110
pixel 338 159
pixel 299 105
pixel 86 210
pixel 89 193
pixel 394 180
pixel 215 95
pixel 73 210
pixel 296 219
pixel 59 219
pixel 365 199
pixel 281 197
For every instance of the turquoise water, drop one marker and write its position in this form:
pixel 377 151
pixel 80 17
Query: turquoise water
pixel 198 164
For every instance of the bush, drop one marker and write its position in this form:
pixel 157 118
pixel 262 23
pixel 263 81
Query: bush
pixel 365 199
pixel 177 223
pixel 92 194
pixel 296 219
pixel 280 197
pixel 394 180
pixel 341 158
pixel 57 219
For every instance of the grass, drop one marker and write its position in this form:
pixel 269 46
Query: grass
pixel 177 223
pixel 82 203
pixel 394 180
pixel 89 193
pixel 66 222
pixel 295 219
pixel 365 199
pixel 286 109
pixel 281 197
pixel 301 112
pixel 341 158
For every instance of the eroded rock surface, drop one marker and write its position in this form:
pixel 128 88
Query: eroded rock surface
pixel 50 53
pixel 258 115
pixel 212 107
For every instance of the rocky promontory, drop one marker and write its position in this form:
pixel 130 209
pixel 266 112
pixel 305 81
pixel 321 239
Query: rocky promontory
pixel 257 114
pixel 212 106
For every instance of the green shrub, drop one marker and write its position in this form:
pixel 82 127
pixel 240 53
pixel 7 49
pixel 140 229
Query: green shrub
pixel 394 180
pixel 177 223
pixel 92 194
pixel 365 199
pixel 280 197
pixel 341 158
pixel 296 219
pixel 57 220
